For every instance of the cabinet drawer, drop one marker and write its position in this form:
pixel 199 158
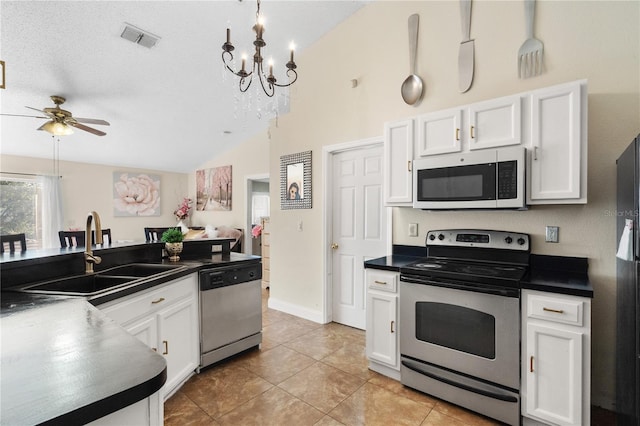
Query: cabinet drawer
pixel 556 310
pixel 382 280
pixel 123 311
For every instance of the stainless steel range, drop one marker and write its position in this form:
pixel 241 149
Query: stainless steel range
pixel 460 320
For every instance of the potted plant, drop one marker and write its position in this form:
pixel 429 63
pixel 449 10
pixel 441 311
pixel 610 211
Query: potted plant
pixel 172 239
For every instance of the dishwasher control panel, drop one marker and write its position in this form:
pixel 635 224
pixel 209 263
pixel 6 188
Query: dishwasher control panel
pixel 221 277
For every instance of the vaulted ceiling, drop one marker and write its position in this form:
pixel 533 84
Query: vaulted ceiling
pixel 170 107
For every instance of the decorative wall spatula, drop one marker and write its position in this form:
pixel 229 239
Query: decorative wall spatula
pixel 530 53
pixel 466 52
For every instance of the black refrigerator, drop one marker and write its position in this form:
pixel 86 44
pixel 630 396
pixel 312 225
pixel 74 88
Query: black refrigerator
pixel 627 292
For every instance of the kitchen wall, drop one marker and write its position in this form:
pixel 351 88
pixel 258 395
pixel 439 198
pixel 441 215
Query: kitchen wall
pixel 247 160
pixel 87 187
pixel 598 41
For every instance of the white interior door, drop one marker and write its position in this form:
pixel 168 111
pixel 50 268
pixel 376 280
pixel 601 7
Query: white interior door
pixel 358 229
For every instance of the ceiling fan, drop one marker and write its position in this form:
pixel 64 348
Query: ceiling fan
pixel 61 121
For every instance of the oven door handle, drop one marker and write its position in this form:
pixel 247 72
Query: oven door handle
pixel 471 386
pixel 457 285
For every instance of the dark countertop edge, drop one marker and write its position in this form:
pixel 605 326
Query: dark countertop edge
pixel 390 263
pixel 542 276
pixel 143 390
pixel 111 404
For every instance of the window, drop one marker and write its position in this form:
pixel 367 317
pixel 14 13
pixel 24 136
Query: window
pixel 21 209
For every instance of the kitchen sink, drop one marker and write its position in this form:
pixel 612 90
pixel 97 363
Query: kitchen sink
pixel 80 284
pixel 137 270
pixel 92 284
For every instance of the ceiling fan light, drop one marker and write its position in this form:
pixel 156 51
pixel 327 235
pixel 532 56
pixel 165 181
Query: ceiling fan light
pixel 57 129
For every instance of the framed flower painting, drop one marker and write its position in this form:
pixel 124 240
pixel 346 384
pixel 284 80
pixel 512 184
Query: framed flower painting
pixel 136 195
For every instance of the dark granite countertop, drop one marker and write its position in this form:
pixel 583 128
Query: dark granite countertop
pixel 63 361
pixel 553 274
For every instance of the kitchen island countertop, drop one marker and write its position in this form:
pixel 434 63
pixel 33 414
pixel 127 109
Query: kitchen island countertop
pixel 65 362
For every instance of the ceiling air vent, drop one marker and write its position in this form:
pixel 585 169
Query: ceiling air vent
pixel 138 36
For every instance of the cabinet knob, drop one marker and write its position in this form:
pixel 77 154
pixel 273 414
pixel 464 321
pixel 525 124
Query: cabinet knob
pixel 166 347
pixel 392 324
pixel 380 282
pixel 472 135
pixel 531 364
pixel 555 311
pixel 409 165
pixel 457 134
pixel 153 302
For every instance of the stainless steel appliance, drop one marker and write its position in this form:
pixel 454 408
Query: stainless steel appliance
pixel 460 320
pixel 230 311
pixel 628 294
pixel 485 179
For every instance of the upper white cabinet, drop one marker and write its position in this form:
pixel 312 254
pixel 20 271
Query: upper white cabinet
pixel 558 152
pixel 439 132
pixel 495 123
pixel 398 157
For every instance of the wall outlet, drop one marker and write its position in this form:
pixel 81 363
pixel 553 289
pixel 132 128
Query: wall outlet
pixel 299 225
pixel 551 235
pixel 413 229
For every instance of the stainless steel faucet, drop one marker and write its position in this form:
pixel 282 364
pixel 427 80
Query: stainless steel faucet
pixel 89 258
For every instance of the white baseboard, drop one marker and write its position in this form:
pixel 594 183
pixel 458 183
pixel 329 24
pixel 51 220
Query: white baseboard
pixel 297 310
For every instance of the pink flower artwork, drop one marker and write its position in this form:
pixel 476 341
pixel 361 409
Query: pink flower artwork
pixel 136 195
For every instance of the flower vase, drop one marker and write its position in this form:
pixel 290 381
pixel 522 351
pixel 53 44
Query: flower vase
pixel 173 249
pixel 184 227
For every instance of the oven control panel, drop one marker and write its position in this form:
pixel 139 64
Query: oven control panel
pixel 479 238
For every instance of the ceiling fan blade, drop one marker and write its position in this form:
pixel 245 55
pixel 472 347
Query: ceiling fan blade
pixel 36 109
pixel 22 115
pixel 92 121
pixel 86 128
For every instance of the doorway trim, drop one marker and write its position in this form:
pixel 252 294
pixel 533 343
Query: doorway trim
pixel 248 185
pixel 327 224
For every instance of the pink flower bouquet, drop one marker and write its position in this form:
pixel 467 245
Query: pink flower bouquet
pixel 184 209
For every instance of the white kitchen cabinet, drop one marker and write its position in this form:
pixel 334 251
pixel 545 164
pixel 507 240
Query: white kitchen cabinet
pixel 439 132
pixel 495 123
pixel 558 152
pixel 166 319
pixel 398 157
pixel 556 362
pixel 382 322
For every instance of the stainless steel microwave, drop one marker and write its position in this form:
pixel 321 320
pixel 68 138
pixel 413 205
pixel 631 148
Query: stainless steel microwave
pixel 486 179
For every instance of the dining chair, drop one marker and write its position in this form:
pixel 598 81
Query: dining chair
pixel 77 238
pixel 72 238
pixel 155 234
pixel 11 240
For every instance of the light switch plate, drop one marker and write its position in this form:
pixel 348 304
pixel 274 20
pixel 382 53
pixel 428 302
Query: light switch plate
pixel 413 229
pixel 551 234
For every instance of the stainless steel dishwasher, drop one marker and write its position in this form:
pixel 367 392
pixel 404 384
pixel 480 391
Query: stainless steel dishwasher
pixel 230 311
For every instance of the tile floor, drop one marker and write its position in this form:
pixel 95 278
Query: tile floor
pixel 306 374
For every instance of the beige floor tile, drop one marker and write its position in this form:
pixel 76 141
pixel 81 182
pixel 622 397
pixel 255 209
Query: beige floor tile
pixel 436 418
pixel 322 386
pixel 277 364
pixel 398 388
pixel 319 343
pixel 271 316
pixel 328 421
pixel 352 359
pixel 372 406
pixel 274 407
pixel 285 331
pixel 466 416
pixel 179 410
pixel 220 390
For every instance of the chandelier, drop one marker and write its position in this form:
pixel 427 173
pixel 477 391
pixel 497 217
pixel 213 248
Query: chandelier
pixel 268 82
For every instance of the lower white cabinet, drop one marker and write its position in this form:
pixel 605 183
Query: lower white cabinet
pixel 382 322
pixel 556 360
pixel 166 319
pixel 148 411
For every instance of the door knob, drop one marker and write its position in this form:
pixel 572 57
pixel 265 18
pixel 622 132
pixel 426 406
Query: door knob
pixel 334 246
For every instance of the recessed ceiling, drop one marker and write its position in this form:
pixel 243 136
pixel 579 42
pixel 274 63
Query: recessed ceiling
pixel 170 106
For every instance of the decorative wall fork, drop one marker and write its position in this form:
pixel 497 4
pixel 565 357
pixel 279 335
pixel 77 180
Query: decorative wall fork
pixel 530 53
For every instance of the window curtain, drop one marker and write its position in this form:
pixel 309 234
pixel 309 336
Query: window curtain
pixel 51 210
